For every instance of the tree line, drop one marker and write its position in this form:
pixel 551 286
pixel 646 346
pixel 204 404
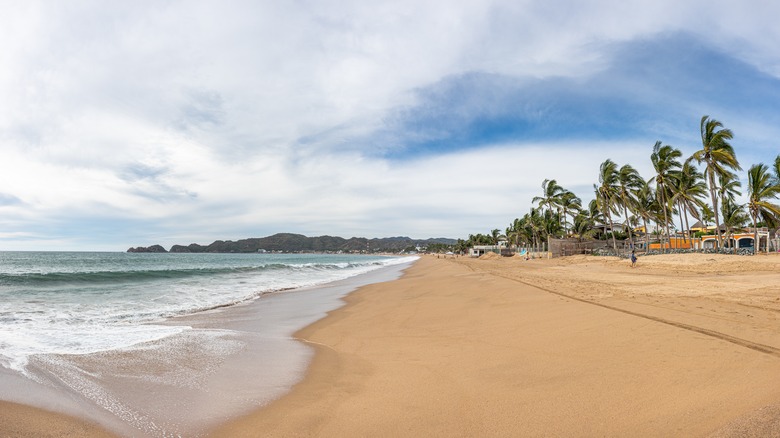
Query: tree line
pixel 704 186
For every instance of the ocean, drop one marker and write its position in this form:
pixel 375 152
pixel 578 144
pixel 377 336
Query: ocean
pixel 93 334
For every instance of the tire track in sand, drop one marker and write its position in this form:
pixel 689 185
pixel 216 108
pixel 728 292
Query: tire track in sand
pixel 774 351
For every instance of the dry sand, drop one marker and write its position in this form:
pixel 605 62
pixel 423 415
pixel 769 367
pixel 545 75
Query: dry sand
pixel 580 346
pixel 583 346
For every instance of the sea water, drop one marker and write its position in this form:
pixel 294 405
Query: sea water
pixel 69 319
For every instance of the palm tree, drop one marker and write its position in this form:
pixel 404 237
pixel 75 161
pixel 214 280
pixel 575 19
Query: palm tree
pixel 728 189
pixel 533 226
pixel 495 236
pixel 734 218
pixel 607 193
pixel 689 189
pixel 707 215
pixel 551 194
pixel 776 169
pixel 761 190
pixel 582 226
pixel 570 204
pixel 595 214
pixel 551 224
pixel 461 247
pixel 665 163
pixel 628 179
pixel 718 157
pixel 644 206
pixel 514 232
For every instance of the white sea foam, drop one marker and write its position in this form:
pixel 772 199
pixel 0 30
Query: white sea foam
pixel 78 303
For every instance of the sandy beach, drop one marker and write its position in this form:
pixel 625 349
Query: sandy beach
pixel 681 345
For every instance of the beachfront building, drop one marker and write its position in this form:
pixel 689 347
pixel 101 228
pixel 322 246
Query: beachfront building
pixel 480 250
pixel 743 239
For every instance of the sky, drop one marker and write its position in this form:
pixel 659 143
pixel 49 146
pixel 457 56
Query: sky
pixel 177 122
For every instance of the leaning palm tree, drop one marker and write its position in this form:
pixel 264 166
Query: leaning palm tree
pixel 644 205
pixel 628 179
pixel 571 205
pixel 718 157
pixel 762 189
pixel 689 189
pixel 665 163
pixel 729 188
pixel 607 195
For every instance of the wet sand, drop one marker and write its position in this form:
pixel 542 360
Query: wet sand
pixel 684 345
pixel 24 421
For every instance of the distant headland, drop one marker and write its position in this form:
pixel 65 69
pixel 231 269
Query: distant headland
pixel 287 242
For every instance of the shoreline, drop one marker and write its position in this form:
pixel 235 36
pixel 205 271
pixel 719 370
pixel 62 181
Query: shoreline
pixel 562 347
pixel 231 360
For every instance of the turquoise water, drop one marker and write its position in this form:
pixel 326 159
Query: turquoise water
pixel 81 302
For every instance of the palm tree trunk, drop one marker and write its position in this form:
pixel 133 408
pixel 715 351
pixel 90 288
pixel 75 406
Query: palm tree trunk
pixel 682 224
pixel 687 226
pixel 630 236
pixel 612 226
pixel 715 208
pixel 666 220
pixel 755 236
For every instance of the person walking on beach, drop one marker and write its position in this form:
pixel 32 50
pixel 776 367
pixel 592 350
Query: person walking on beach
pixel 633 258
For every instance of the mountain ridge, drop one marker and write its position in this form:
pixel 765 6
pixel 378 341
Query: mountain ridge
pixel 290 242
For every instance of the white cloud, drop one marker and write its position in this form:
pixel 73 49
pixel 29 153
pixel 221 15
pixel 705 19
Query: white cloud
pixel 207 117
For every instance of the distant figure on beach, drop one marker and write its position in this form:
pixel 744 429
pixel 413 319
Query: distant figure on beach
pixel 633 258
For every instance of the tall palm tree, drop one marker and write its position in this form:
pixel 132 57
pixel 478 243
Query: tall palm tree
pixel 607 193
pixel 644 206
pixel 689 189
pixel 665 163
pixel 570 204
pixel 718 156
pixel 761 190
pixel 728 189
pixel 628 179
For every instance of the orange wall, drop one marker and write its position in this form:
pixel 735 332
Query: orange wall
pixel 675 243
